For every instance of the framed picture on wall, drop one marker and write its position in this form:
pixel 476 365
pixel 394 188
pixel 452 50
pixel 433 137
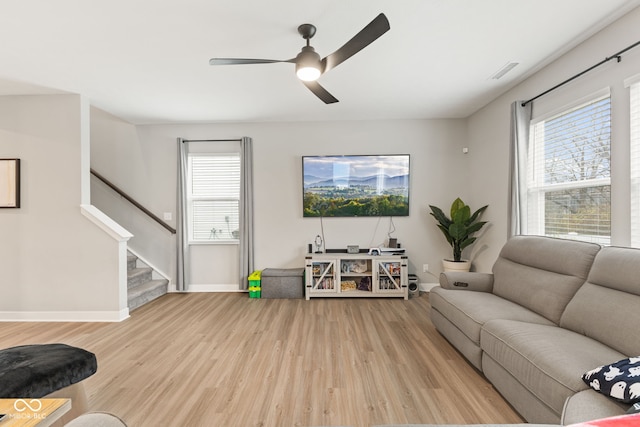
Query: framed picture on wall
pixel 355 186
pixel 9 183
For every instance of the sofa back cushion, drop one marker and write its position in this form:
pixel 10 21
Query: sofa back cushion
pixel 607 307
pixel 542 273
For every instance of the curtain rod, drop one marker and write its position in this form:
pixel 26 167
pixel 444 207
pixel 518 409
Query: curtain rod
pixel 211 140
pixel 616 56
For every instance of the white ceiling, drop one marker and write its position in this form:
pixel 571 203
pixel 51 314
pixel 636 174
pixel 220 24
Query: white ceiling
pixel 146 61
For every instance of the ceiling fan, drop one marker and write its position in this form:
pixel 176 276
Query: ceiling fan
pixel 309 66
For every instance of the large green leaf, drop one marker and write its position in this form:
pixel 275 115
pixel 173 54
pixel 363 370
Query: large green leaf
pixel 457 231
pixel 437 213
pixel 475 215
pixel 475 227
pixel 456 205
pixel 467 242
pixel 445 231
pixel 462 215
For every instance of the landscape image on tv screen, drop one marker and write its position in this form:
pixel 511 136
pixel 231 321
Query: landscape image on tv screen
pixel 367 185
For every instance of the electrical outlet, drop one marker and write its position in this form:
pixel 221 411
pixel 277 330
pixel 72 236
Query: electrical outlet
pixel 425 268
pixel 167 216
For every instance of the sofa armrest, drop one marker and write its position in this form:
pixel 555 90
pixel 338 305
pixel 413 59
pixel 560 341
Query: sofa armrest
pixel 468 281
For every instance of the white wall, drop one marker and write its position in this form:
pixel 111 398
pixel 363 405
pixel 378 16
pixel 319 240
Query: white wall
pixel 142 160
pixel 489 129
pixel 55 264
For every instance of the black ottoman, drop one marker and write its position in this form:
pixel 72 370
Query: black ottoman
pixel 282 283
pixel 38 370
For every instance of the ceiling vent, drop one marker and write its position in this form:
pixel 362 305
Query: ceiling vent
pixel 504 70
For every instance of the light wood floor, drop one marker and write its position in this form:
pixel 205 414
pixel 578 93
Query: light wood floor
pixel 228 360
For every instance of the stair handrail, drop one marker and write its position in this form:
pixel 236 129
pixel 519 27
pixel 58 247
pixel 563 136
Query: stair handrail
pixel 132 201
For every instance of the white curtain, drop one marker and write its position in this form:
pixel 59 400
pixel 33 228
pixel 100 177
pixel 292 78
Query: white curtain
pixel 182 241
pixel 519 147
pixel 246 211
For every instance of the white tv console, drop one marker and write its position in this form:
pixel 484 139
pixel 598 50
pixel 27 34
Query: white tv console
pixel 356 275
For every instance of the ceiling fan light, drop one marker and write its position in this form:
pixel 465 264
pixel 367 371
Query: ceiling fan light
pixel 308 74
pixel 308 66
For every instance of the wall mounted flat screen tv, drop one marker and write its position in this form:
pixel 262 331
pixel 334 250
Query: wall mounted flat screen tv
pixel 348 186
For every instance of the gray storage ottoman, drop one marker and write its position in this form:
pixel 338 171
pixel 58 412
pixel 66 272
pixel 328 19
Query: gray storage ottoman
pixel 282 283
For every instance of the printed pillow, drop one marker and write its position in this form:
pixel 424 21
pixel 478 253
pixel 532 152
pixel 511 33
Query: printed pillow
pixel 620 380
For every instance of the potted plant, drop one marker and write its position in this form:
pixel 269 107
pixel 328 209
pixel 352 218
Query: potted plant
pixel 458 230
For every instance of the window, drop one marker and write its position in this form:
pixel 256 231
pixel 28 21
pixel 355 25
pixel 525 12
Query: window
pixel 569 174
pixel 635 162
pixel 214 197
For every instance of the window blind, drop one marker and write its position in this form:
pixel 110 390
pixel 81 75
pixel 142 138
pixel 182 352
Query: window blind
pixel 634 90
pixel 214 197
pixel 569 182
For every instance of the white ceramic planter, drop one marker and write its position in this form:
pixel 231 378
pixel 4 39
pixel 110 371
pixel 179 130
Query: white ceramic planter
pixel 449 265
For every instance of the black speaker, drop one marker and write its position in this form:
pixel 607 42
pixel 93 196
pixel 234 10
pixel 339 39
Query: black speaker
pixel 414 289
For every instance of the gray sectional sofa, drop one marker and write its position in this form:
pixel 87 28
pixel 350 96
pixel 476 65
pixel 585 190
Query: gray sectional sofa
pixel 550 311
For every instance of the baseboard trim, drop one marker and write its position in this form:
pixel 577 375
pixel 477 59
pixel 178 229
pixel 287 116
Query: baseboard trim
pixel 194 288
pixel 64 316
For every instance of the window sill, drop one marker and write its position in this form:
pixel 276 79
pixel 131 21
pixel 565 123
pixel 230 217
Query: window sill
pixel 214 242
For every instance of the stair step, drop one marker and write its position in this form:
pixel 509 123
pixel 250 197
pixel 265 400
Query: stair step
pixel 138 276
pixel 141 286
pixel 146 292
pixel 131 261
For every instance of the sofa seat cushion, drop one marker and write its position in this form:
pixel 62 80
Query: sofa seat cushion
pixel 549 361
pixel 469 310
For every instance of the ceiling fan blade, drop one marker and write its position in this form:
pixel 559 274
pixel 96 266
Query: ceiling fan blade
pixel 237 61
pixel 365 37
pixel 320 92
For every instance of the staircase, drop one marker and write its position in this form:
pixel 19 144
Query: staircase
pixel 141 286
